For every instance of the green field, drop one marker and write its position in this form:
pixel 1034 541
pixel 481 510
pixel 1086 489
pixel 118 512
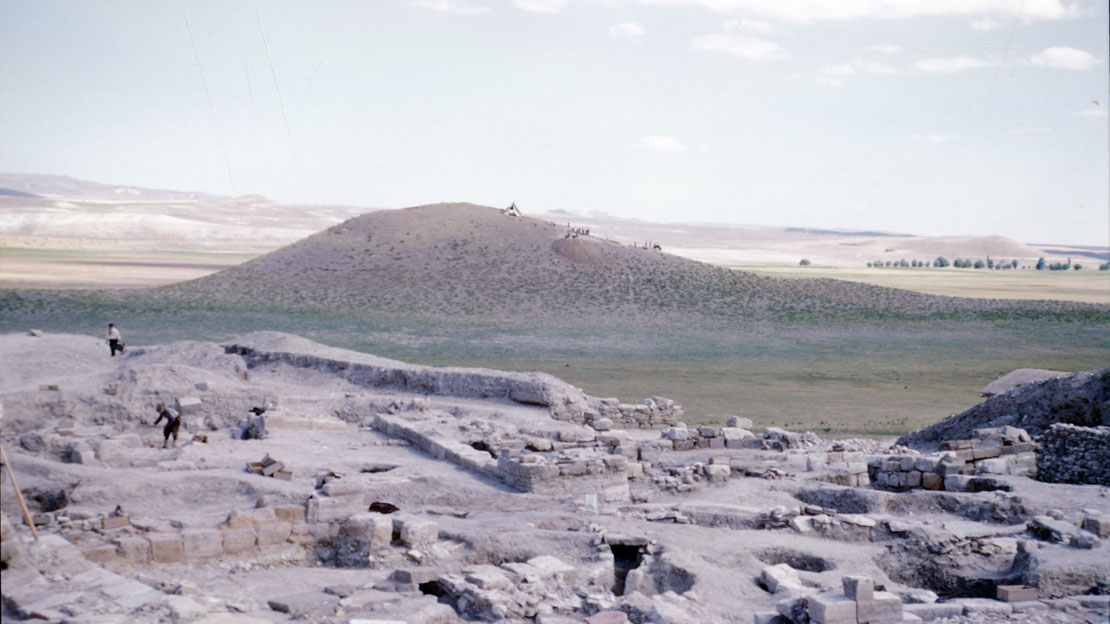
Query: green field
pixel 843 378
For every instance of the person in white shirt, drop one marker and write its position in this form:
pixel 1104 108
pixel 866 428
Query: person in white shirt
pixel 114 343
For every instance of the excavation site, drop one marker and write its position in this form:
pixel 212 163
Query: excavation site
pixel 317 484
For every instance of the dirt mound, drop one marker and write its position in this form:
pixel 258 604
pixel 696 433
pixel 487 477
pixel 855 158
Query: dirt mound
pixel 998 247
pixel 1078 399
pixel 1016 378
pixel 579 251
pixel 463 260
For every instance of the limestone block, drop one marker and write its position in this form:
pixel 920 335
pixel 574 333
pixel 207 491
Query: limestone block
pixel 609 617
pixel 934 611
pixel 776 576
pixel 486 577
pixel 99 553
pixel 883 608
pixel 133 549
pixel 858 587
pixel 683 445
pixel 331 508
pixel 201 543
pixel 1099 525
pixel 187 406
pixel 270 534
pixel 166 547
pixel 602 424
pixel 735 433
pixel 997 465
pixel 913 479
pixel 293 514
pixel 956 483
pixel 716 443
pixel 718 472
pixel 1016 593
pixel 832 608
pixel 306 605
pixel 983 607
pixel 416 533
pixel 250 518
pixel 677 433
pixel 931 481
pixel 986 452
pixel 550 566
pixel 635 469
pixel 371 529
pixel 740 422
pixel 237 540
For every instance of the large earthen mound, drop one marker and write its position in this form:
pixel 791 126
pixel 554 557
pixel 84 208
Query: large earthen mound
pixel 463 260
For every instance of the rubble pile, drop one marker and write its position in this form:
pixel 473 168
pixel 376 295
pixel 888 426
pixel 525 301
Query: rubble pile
pixel 1071 454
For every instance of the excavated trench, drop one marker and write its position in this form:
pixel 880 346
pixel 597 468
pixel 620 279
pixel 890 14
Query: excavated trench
pixel 795 559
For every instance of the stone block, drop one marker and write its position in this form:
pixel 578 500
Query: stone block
pixel 166 547
pixel 740 422
pixel 683 445
pixel 832 608
pixel 417 533
pixel 250 518
pixel 883 608
pixel 906 463
pixel 980 607
pixel 708 431
pixel 99 553
pixel 370 529
pixel 995 465
pixel 986 452
pixel 1099 525
pixel 487 577
pixel 187 406
pixel 858 587
pixel 778 576
pixel 956 483
pixel 293 514
pixel 270 534
pixel 1016 593
pixel 931 481
pixel 329 508
pixel 716 443
pixel 201 543
pixel 718 472
pixel 913 479
pixel 237 540
pixel 133 549
pixel 934 611
pixel 306 605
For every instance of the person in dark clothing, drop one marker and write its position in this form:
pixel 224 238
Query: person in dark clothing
pixel 173 423
pixel 114 343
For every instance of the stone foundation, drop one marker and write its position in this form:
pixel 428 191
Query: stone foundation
pixel 1071 454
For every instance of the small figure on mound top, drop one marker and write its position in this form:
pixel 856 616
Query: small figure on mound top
pixel 173 423
pixel 114 343
pixel 512 211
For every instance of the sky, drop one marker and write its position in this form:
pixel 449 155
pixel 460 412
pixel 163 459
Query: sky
pixel 929 117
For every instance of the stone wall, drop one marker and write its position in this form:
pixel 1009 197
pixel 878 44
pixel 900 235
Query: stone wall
pixel 1006 450
pixel 563 400
pixel 653 413
pixel 1071 454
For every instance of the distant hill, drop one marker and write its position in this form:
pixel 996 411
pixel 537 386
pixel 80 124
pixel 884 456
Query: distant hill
pixel 65 187
pixel 464 260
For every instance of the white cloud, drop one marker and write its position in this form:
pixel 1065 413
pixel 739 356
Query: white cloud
pixel 740 46
pixel 885 48
pixel 829 82
pixel 755 27
pixel 1097 113
pixel 627 30
pixel 842 10
pixel 936 138
pixel 659 143
pixel 1063 58
pixel 953 64
pixel 985 24
pixel 450 6
pixel 541 6
pixel 858 65
pixel 1033 130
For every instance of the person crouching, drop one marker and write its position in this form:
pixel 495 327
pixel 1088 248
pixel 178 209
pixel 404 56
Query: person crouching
pixel 173 424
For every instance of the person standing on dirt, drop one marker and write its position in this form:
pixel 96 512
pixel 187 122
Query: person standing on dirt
pixel 114 340
pixel 173 423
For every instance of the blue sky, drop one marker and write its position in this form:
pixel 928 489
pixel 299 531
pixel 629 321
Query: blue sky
pixel 933 117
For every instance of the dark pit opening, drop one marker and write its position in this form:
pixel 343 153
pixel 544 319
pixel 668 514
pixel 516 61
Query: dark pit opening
pixel 625 558
pixel 432 588
pixel 374 468
pixel 482 446
pixel 795 559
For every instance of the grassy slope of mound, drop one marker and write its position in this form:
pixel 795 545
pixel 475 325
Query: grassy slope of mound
pixel 448 261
